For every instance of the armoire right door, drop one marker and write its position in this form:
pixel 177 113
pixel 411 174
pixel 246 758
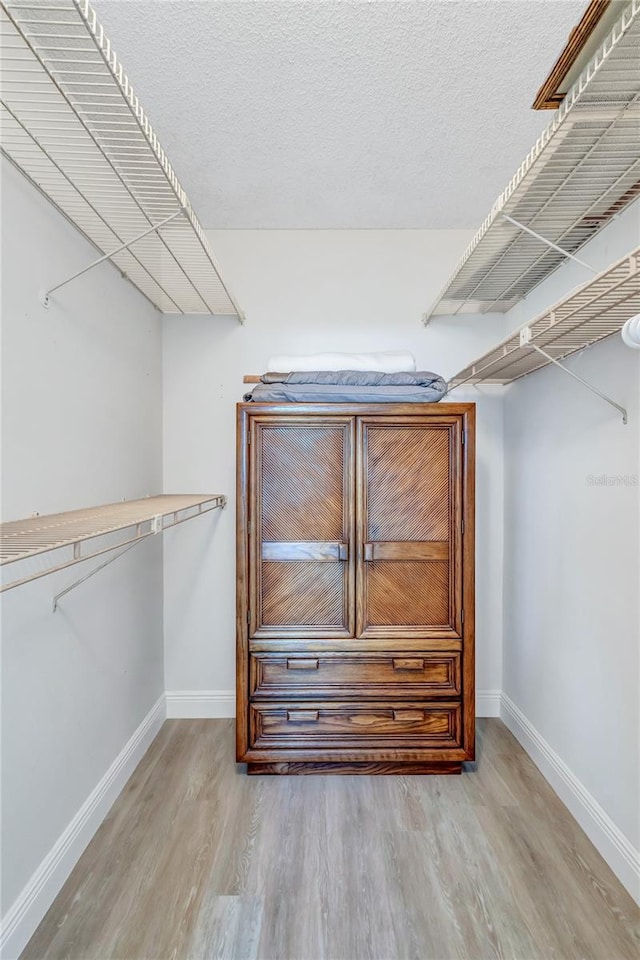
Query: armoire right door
pixel 410 519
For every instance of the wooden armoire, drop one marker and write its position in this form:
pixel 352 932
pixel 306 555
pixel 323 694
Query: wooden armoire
pixel 355 611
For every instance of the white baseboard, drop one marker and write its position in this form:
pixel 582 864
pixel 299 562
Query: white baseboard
pixel 219 704
pixel 22 919
pixel 488 703
pixel 607 838
pixel 200 704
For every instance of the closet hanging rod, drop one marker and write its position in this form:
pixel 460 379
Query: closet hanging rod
pixel 108 256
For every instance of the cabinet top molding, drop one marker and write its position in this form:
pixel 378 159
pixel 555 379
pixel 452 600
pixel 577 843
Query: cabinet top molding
pixel 439 409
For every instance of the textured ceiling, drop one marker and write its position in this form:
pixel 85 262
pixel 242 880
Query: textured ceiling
pixel 315 113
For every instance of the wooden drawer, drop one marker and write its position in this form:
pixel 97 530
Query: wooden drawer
pixel 344 725
pixel 342 676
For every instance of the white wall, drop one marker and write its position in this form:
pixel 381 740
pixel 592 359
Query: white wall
pixel 572 569
pixel 81 425
pixel 304 291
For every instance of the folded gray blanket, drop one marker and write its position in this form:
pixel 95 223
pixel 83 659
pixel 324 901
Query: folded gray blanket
pixel 349 386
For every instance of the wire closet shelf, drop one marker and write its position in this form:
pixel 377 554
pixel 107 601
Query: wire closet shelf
pixel 98 528
pixel 72 124
pixel 583 170
pixel 590 313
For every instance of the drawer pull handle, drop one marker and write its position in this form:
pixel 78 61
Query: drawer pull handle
pixel 364 719
pixel 401 664
pixel 303 664
pixel 368 552
pixel 408 714
pixel 302 716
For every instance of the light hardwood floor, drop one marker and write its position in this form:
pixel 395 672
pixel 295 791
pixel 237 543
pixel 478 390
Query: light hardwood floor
pixel 198 861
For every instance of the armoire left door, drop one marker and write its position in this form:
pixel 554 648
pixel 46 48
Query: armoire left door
pixel 301 528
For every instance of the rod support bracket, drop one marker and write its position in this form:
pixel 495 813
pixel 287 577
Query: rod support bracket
pixel 112 253
pixel 549 243
pixel 87 576
pixel 526 340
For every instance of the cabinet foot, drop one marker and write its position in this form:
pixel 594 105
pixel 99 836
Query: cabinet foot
pixel 350 768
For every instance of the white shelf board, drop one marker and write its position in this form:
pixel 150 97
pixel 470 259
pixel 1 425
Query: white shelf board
pixel 583 170
pixel 590 313
pixel 22 540
pixel 71 122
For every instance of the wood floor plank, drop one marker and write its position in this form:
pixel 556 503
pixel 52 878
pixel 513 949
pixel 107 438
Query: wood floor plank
pixel 287 867
pixel 359 912
pixel 227 927
pixel 422 915
pixel 197 861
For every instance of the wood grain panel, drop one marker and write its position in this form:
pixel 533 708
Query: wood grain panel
pixel 330 724
pixel 407 593
pixel 355 676
pixel 304 593
pixel 351 768
pixel 302 483
pixel 407 483
pixel 375 641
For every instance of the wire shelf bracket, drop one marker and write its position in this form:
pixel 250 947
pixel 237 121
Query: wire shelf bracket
pixel 87 576
pixel 109 256
pixel 41 537
pixel 525 340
